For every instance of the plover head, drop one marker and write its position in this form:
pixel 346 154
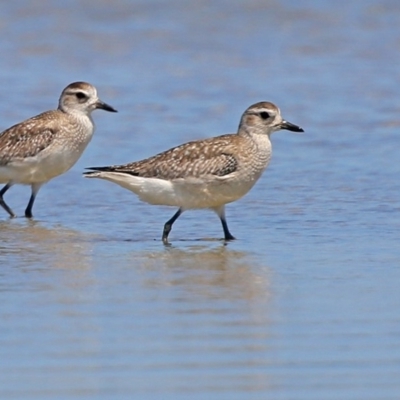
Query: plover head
pixel 81 97
pixel 265 118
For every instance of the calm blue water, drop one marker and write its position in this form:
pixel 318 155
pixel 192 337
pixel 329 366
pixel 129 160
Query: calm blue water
pixel 305 304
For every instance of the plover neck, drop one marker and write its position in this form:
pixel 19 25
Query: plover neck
pixel 253 131
pixel 80 116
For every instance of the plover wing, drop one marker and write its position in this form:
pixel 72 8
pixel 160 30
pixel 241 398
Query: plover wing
pixel 26 139
pixel 214 156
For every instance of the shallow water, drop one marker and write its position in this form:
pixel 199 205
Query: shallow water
pixel 305 304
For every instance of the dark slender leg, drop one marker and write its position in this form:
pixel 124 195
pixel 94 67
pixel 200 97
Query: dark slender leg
pixel 3 203
pixel 228 235
pixel 35 189
pixel 221 214
pixel 168 225
pixel 28 211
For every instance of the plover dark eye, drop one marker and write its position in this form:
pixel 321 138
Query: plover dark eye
pixel 81 95
pixel 264 115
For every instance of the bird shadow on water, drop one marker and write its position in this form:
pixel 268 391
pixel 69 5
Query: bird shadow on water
pixel 205 268
pixel 32 243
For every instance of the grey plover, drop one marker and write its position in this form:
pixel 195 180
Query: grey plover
pixel 43 147
pixel 204 173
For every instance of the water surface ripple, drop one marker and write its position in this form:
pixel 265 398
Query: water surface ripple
pixel 305 304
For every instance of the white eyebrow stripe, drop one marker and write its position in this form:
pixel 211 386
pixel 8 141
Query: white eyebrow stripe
pixel 260 110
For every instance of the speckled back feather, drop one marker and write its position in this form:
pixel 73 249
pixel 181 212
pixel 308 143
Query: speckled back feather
pixel 26 139
pixel 214 156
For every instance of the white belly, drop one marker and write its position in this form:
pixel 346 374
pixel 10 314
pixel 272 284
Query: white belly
pixel 188 193
pixel 41 168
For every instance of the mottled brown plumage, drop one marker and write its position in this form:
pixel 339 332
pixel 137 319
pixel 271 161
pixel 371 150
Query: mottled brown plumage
pixel 204 173
pixel 213 156
pixel 43 147
pixel 30 137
